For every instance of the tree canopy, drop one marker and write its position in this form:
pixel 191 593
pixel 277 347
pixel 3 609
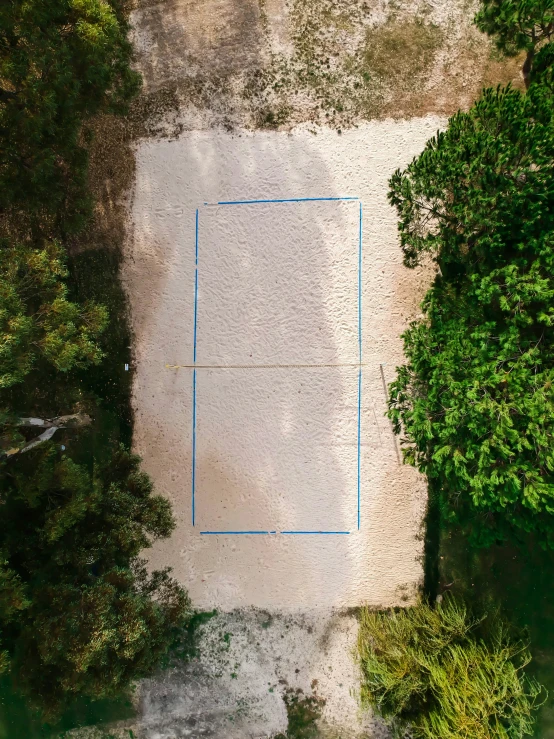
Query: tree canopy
pixel 80 613
pixel 475 401
pixel 36 318
pixel 518 25
pixel 61 61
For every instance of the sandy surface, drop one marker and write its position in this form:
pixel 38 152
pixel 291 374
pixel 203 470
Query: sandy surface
pixel 277 63
pixel 246 663
pixel 276 446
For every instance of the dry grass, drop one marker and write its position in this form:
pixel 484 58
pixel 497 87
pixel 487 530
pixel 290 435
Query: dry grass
pixel 344 61
pixel 401 53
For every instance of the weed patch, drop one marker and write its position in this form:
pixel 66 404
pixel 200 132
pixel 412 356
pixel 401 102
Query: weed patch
pixel 303 713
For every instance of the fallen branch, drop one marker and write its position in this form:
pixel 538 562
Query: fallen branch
pixel 73 421
pixel 51 425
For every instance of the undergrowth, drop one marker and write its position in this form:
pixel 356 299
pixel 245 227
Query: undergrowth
pixel 303 713
pixel 444 673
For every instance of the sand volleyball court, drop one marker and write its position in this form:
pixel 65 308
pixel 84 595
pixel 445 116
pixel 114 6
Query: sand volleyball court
pixel 277 368
pixel 268 298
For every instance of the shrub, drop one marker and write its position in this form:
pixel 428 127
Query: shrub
pixel 475 401
pixel 444 674
pixel 80 614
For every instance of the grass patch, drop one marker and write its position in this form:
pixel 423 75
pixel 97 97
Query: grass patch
pixel 303 713
pixel 401 53
pixel 186 647
pixel 518 579
pixel 442 671
pixel 273 117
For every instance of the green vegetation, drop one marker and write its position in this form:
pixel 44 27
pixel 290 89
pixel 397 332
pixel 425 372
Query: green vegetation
pixel 79 603
pixel 303 712
pixel 475 402
pixel 474 405
pixel 443 674
pixel 518 25
pixel 37 319
pixel 80 617
pixel 61 61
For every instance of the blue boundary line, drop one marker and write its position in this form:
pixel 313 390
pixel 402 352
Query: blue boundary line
pixel 194 372
pixel 193 442
pixel 214 533
pixel 282 200
pixel 359 442
pixel 314 532
pixel 360 358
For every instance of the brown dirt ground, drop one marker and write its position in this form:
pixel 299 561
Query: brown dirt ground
pixel 278 63
pixel 272 63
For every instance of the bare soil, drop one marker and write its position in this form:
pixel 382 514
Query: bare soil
pixel 277 63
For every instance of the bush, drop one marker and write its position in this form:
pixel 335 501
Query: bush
pixel 36 317
pixel 444 674
pixel 475 401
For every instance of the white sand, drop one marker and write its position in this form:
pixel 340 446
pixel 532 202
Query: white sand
pixel 276 447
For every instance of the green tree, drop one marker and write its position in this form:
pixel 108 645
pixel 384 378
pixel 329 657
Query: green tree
pixel 12 601
pixel 61 61
pixel 37 320
pixel 475 401
pixel 444 674
pixel 81 616
pixel 518 25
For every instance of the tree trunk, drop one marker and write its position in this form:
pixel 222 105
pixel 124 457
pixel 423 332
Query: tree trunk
pixel 51 425
pixel 48 434
pixel 74 420
pixel 526 69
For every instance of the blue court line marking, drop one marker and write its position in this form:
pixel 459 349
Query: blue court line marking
pixel 194 374
pixel 193 441
pixel 360 286
pixel 196 286
pixel 359 440
pixel 314 532
pixel 360 357
pixel 212 533
pixel 281 200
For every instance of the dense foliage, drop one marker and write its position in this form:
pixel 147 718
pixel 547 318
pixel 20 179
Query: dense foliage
pixel 61 61
pixel 475 401
pixel 80 616
pixel 446 675
pixel 87 612
pixel 36 317
pixel 517 25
